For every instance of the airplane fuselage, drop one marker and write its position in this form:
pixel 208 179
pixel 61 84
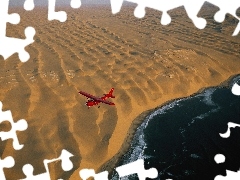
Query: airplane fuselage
pixel 91 103
pixel 95 100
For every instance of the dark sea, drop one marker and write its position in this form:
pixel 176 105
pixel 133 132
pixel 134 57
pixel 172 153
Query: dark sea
pixel 181 138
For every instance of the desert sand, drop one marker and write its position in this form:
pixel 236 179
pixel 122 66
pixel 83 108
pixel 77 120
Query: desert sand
pixel 147 63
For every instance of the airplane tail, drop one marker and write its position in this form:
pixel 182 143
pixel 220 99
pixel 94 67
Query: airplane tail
pixel 110 94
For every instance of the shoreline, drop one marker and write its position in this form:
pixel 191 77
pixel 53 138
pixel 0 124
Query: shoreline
pixel 110 165
pixel 148 64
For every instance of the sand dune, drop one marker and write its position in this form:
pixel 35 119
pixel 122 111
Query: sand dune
pixel 93 51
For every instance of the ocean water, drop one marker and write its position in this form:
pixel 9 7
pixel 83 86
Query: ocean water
pixel 181 138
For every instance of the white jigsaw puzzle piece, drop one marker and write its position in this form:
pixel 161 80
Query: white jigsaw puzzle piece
pixel 142 4
pixel 237 30
pixel 236 89
pixel 65 158
pixel 230 175
pixel 192 9
pixel 61 15
pixel 8 45
pixel 138 168
pixel 29 5
pixel 8 162
pixel 87 173
pixel 66 166
pixel 28 171
pixel 52 14
pixel 75 3
pixel 20 125
pixel 230 125
pixel 227 7
pixel 219 158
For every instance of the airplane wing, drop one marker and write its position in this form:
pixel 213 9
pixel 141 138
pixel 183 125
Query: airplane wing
pixel 88 95
pixel 104 101
pixel 95 98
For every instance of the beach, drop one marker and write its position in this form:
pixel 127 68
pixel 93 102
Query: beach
pixel 146 63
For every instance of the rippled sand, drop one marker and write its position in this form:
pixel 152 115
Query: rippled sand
pixel 93 51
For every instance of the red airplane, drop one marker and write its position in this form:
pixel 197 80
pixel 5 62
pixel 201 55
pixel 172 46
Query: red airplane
pixel 95 100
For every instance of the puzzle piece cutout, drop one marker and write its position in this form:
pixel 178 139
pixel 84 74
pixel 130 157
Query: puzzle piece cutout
pixel 20 125
pixel 138 168
pixel 28 5
pixel 231 175
pixel 66 166
pixel 230 125
pixel 229 7
pixel 7 162
pixel 61 15
pixel 8 45
pixel 87 173
pixel 219 158
pixel 75 4
pixel 192 8
pixel 52 14
pixel 236 89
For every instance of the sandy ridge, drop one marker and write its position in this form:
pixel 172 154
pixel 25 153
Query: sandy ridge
pixel 148 64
